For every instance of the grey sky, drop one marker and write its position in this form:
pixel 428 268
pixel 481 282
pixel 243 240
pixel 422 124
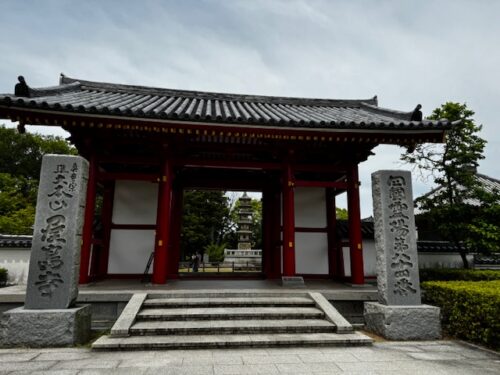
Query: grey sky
pixel 406 52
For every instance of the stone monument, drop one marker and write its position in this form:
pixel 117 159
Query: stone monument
pixel 398 314
pixel 50 316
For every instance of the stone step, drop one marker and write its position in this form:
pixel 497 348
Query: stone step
pixel 227 293
pixel 218 327
pixel 229 341
pixel 230 313
pixel 230 301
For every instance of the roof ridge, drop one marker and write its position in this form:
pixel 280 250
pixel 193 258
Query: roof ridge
pixel 50 90
pixel 392 112
pixel 106 86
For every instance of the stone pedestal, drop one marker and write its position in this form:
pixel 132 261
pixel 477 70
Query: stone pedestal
pixel 419 322
pixel 292 282
pixel 45 328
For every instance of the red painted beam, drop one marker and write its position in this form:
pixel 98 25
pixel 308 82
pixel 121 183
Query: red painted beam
pixel 227 164
pixel 258 165
pixel 133 226
pixel 322 184
pixel 310 230
pixel 111 176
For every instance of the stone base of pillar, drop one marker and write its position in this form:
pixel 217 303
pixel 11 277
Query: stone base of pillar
pixel 419 322
pixel 45 328
pixel 292 282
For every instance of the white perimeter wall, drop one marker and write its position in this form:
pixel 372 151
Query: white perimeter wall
pixel 369 259
pixel 311 249
pixel 425 260
pixel 134 203
pixel 16 261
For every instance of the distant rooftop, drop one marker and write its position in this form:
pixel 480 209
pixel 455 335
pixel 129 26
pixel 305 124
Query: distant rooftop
pixel 489 184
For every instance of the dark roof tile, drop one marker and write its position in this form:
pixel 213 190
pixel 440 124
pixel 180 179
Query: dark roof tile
pixel 80 96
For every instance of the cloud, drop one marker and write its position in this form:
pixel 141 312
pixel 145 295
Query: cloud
pixel 404 52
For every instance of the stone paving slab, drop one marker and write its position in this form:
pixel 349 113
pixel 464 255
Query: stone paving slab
pixel 381 358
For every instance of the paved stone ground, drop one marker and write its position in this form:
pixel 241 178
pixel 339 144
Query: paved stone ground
pixel 435 357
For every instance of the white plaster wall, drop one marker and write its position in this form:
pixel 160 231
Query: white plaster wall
pixel 135 202
pixel 130 250
pixel 425 260
pixel 369 259
pixel 310 207
pixel 311 249
pixel 442 260
pixel 311 253
pixel 16 261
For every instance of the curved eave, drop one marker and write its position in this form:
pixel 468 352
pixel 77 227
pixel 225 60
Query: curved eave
pixel 9 105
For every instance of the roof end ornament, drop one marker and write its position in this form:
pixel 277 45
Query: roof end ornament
pixel 22 89
pixel 417 113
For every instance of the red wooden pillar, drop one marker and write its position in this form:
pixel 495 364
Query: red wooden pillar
pixel 275 229
pixel 175 232
pixel 107 219
pixel 267 240
pixel 355 239
pixel 331 222
pixel 160 268
pixel 288 222
pixel 88 221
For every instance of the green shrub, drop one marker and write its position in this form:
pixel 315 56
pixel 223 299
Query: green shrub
pixel 449 274
pixel 3 276
pixel 215 252
pixel 469 310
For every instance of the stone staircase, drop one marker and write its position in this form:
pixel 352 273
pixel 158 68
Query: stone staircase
pixel 229 320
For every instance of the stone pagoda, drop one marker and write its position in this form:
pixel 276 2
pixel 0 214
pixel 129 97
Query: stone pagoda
pixel 244 256
pixel 245 215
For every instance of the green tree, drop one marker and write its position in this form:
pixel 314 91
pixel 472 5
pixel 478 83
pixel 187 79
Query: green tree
pixel 21 156
pixel 453 208
pixel 341 213
pixel 205 220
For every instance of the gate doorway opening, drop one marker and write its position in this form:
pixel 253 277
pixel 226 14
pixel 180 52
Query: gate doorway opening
pixel 221 234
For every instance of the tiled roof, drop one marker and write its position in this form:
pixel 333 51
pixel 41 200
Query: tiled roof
pixel 367 229
pixel 438 247
pixel 13 241
pixel 487 259
pixel 489 184
pixel 86 97
pixel 368 233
